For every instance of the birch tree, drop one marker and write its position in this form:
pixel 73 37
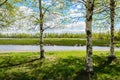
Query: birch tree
pixel 112 16
pixel 89 14
pixel 42 13
pixel 41 30
pixel 89 8
pixel 108 20
pixel 44 16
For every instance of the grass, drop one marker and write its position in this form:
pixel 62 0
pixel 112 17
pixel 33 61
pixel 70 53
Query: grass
pixel 118 45
pixel 62 65
pixel 20 41
pixel 54 41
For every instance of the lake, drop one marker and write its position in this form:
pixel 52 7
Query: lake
pixel 35 48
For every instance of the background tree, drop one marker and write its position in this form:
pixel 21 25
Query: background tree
pixel 106 15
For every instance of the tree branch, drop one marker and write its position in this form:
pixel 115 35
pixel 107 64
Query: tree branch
pixel 3 2
pixel 48 27
pixel 46 9
pixel 82 1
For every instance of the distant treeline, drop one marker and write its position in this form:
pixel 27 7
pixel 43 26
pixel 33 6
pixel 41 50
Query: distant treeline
pixel 63 35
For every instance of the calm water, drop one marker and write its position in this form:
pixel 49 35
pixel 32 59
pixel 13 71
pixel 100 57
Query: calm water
pixel 10 48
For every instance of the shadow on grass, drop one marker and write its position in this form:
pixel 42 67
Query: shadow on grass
pixel 107 68
pixel 70 68
pixel 103 62
pixel 62 69
pixel 7 63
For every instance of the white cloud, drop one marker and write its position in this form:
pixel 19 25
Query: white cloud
pixel 78 6
pixel 76 15
pixel 78 27
pixel 73 11
pixel 77 24
pixel 27 11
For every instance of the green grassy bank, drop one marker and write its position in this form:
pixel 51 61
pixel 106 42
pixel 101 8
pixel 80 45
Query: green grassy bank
pixel 65 65
pixel 98 35
pixel 55 41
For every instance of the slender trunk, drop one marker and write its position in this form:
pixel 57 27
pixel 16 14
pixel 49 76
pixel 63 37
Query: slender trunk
pixel 112 13
pixel 41 31
pixel 89 13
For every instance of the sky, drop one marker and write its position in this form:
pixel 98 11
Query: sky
pixel 72 17
pixel 74 26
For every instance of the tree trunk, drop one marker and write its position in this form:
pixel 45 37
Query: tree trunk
pixel 41 31
pixel 112 13
pixel 89 13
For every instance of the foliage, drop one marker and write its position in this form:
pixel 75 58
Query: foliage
pixel 102 36
pixel 117 35
pixel 8 13
pixel 117 45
